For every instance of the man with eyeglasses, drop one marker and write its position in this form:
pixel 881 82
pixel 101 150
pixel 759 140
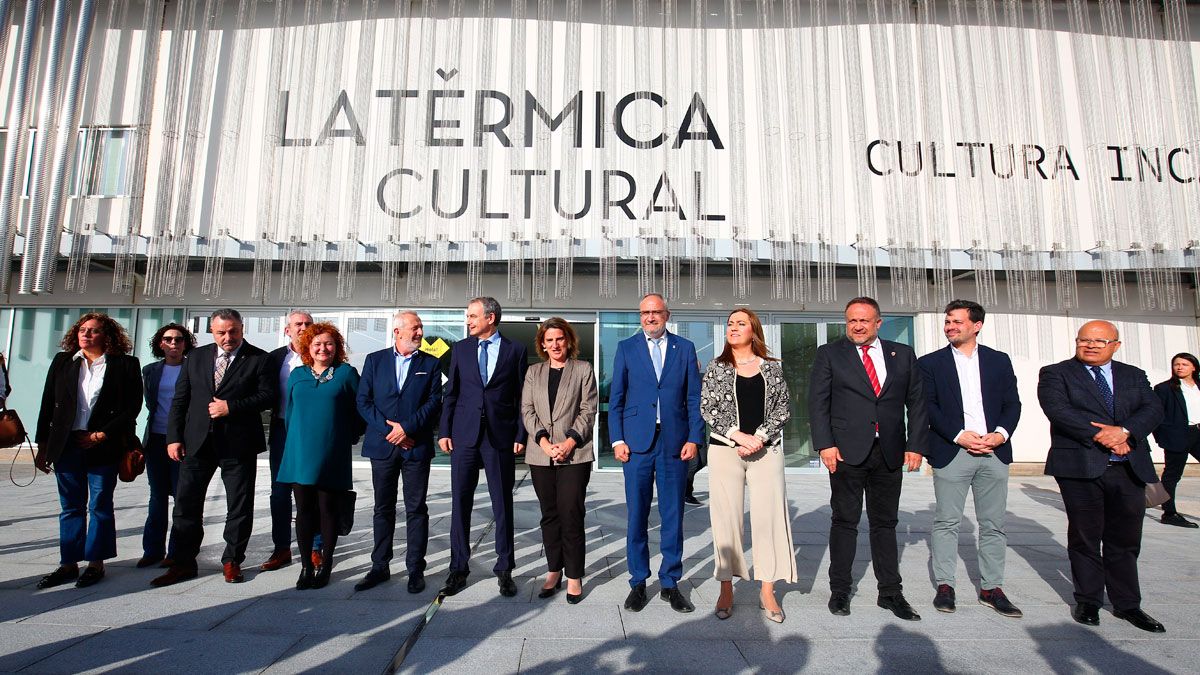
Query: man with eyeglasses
pixel 1100 413
pixel 655 427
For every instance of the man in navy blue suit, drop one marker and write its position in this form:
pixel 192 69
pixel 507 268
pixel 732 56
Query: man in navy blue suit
pixel 973 407
pixel 655 426
pixel 481 429
pixel 1100 413
pixel 400 397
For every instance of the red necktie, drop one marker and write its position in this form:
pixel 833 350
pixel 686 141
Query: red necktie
pixel 870 366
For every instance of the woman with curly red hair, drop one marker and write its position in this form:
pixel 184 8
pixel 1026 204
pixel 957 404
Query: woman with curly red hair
pixel 322 424
pixel 90 406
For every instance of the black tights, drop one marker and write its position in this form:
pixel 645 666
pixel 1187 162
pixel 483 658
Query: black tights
pixel 315 508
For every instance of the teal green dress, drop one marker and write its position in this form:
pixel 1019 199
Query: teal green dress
pixel 322 425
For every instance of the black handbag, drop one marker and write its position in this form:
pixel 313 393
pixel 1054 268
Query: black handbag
pixel 346 512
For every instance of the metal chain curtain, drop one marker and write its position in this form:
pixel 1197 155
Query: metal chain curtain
pixel 924 145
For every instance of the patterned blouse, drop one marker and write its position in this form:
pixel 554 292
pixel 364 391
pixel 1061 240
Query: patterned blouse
pixel 718 402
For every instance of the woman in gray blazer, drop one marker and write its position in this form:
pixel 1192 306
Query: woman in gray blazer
pixel 558 404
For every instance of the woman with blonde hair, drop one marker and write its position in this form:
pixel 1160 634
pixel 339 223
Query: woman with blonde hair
pixel 744 399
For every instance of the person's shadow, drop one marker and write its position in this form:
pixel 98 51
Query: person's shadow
pixel 1068 648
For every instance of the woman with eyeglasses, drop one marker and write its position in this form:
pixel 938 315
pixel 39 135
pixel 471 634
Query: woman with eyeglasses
pixel 322 425
pixel 1179 433
pixel 170 345
pixel 90 406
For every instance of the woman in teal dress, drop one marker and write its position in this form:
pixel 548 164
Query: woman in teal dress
pixel 322 426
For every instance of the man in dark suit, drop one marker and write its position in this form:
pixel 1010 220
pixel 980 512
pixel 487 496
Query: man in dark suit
pixel 1100 413
pixel 655 427
pixel 400 397
pixel 859 391
pixel 215 424
pixel 481 429
pixel 280 364
pixel 973 406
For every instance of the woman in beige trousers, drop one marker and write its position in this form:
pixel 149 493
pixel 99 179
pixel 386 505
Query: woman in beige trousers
pixel 744 399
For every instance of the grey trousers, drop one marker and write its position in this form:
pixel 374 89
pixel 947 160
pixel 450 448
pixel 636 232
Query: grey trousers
pixel 987 477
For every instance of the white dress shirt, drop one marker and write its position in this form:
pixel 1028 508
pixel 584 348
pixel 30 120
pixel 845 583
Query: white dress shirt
pixel 91 379
pixel 875 349
pixel 1191 398
pixel 971 386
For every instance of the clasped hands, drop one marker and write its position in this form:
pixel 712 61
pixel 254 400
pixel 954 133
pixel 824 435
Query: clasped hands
pixel 979 445
pixel 558 452
pixel 1112 437
pixel 397 436
pixel 747 444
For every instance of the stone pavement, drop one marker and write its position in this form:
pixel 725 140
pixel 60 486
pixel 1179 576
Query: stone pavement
pixel 206 625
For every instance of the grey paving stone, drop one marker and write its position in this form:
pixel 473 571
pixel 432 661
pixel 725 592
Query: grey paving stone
pixel 307 616
pixel 176 612
pixel 454 655
pixel 495 619
pixel 682 655
pixel 125 650
pixel 25 643
pixel 322 653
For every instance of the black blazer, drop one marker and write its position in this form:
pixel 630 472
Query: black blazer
pixel 115 413
pixel 943 398
pixel 247 387
pixel 466 402
pixel 274 364
pixel 1172 433
pixel 1071 401
pixel 843 409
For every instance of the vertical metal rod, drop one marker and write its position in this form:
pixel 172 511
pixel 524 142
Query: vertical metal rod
pixel 48 113
pixel 64 144
pixel 14 151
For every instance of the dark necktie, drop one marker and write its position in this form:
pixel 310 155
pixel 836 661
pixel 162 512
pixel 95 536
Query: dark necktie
pixel 869 364
pixel 483 361
pixel 1105 391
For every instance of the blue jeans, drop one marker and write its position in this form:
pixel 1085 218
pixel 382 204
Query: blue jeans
pixel 162 473
pixel 85 491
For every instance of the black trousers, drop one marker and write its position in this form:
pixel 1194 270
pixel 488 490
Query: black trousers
pixel 385 475
pixel 695 465
pixel 499 465
pixel 195 473
pixel 1176 460
pixel 561 490
pixel 1104 535
pixel 881 486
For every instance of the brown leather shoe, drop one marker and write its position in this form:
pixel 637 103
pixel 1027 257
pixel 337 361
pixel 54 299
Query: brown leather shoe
pixel 277 560
pixel 316 559
pixel 233 573
pixel 174 575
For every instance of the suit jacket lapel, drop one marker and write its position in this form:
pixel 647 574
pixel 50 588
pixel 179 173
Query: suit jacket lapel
pixel 234 366
pixel 1084 377
pixel 853 354
pixel 565 386
pixel 542 392
pixel 669 353
pixel 641 352
pixel 889 362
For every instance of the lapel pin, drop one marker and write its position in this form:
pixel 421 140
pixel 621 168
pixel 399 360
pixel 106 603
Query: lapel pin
pixel 893 353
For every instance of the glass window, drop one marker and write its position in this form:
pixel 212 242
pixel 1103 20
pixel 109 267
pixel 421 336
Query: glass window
pixel 614 327
pixel 102 162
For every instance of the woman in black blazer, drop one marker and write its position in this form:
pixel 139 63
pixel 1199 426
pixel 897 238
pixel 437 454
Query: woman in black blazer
pixel 90 405
pixel 1179 433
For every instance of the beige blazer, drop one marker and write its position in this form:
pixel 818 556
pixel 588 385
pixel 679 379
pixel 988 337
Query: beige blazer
pixel 574 408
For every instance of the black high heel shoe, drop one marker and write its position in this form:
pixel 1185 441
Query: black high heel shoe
pixel 575 599
pixel 305 581
pixel 321 576
pixel 548 592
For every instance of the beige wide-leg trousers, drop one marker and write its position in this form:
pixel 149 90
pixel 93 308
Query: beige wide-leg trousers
pixel 728 477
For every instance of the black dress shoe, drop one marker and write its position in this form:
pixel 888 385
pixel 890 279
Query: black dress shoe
pixel 678 602
pixel 321 576
pixel 691 499
pixel 59 577
pixel 1177 520
pixel 839 604
pixel 574 599
pixel 508 587
pixel 997 600
pixel 90 577
pixel 898 606
pixel 149 561
pixel 373 579
pixel 305 581
pixel 1140 619
pixel 416 582
pixel 636 599
pixel 1086 614
pixel 454 583
pixel 944 600
pixel 549 592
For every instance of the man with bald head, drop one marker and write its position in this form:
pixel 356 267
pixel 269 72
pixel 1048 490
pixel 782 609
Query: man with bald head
pixel 1100 413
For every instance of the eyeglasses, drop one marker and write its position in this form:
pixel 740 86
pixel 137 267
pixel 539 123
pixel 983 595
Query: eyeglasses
pixel 1094 342
pixel 653 312
pixel 168 338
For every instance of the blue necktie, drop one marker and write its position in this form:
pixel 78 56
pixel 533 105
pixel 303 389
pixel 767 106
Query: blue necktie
pixel 483 361
pixel 658 357
pixel 1107 394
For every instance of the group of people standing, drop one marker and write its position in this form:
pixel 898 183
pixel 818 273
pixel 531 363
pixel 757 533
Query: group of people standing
pixel 875 409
